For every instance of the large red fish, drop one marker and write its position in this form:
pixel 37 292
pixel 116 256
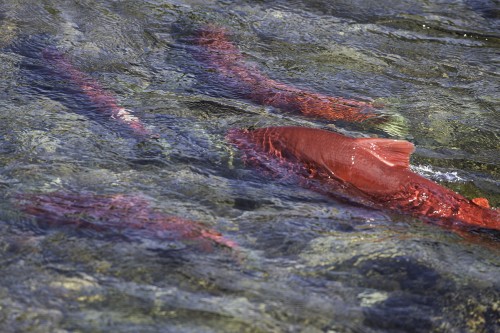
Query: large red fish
pixel 228 61
pixel 124 214
pixel 102 100
pixel 374 172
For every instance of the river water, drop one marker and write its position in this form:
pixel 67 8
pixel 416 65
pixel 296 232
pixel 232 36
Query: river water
pixel 303 262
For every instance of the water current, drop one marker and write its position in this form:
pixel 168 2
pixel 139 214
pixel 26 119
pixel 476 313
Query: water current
pixel 147 256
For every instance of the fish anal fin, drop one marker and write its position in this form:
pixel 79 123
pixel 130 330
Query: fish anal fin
pixel 391 152
pixel 482 202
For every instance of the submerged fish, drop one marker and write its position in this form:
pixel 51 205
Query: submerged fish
pixel 374 172
pixel 227 60
pixel 100 98
pixel 124 214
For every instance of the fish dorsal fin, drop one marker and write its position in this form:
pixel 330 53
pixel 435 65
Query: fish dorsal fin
pixel 483 202
pixel 391 152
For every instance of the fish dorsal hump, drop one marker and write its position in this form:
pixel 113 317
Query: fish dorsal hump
pixel 390 152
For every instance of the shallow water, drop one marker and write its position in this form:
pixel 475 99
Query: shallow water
pixel 304 262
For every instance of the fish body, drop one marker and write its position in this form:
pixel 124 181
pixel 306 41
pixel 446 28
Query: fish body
pixel 375 169
pixel 225 58
pixel 122 214
pixel 99 97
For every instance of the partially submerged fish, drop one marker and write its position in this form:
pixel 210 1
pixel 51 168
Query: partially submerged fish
pixel 374 172
pixel 123 214
pixel 227 60
pixel 102 100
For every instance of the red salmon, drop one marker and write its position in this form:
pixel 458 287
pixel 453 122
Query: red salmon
pixel 228 61
pixel 375 171
pixel 117 213
pixel 103 100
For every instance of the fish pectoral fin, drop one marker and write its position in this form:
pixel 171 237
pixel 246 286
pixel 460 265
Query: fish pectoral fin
pixel 483 202
pixel 391 152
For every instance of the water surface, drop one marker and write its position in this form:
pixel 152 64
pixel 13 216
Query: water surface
pixel 304 262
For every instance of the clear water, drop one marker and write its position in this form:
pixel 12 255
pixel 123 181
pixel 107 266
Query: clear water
pixel 304 263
